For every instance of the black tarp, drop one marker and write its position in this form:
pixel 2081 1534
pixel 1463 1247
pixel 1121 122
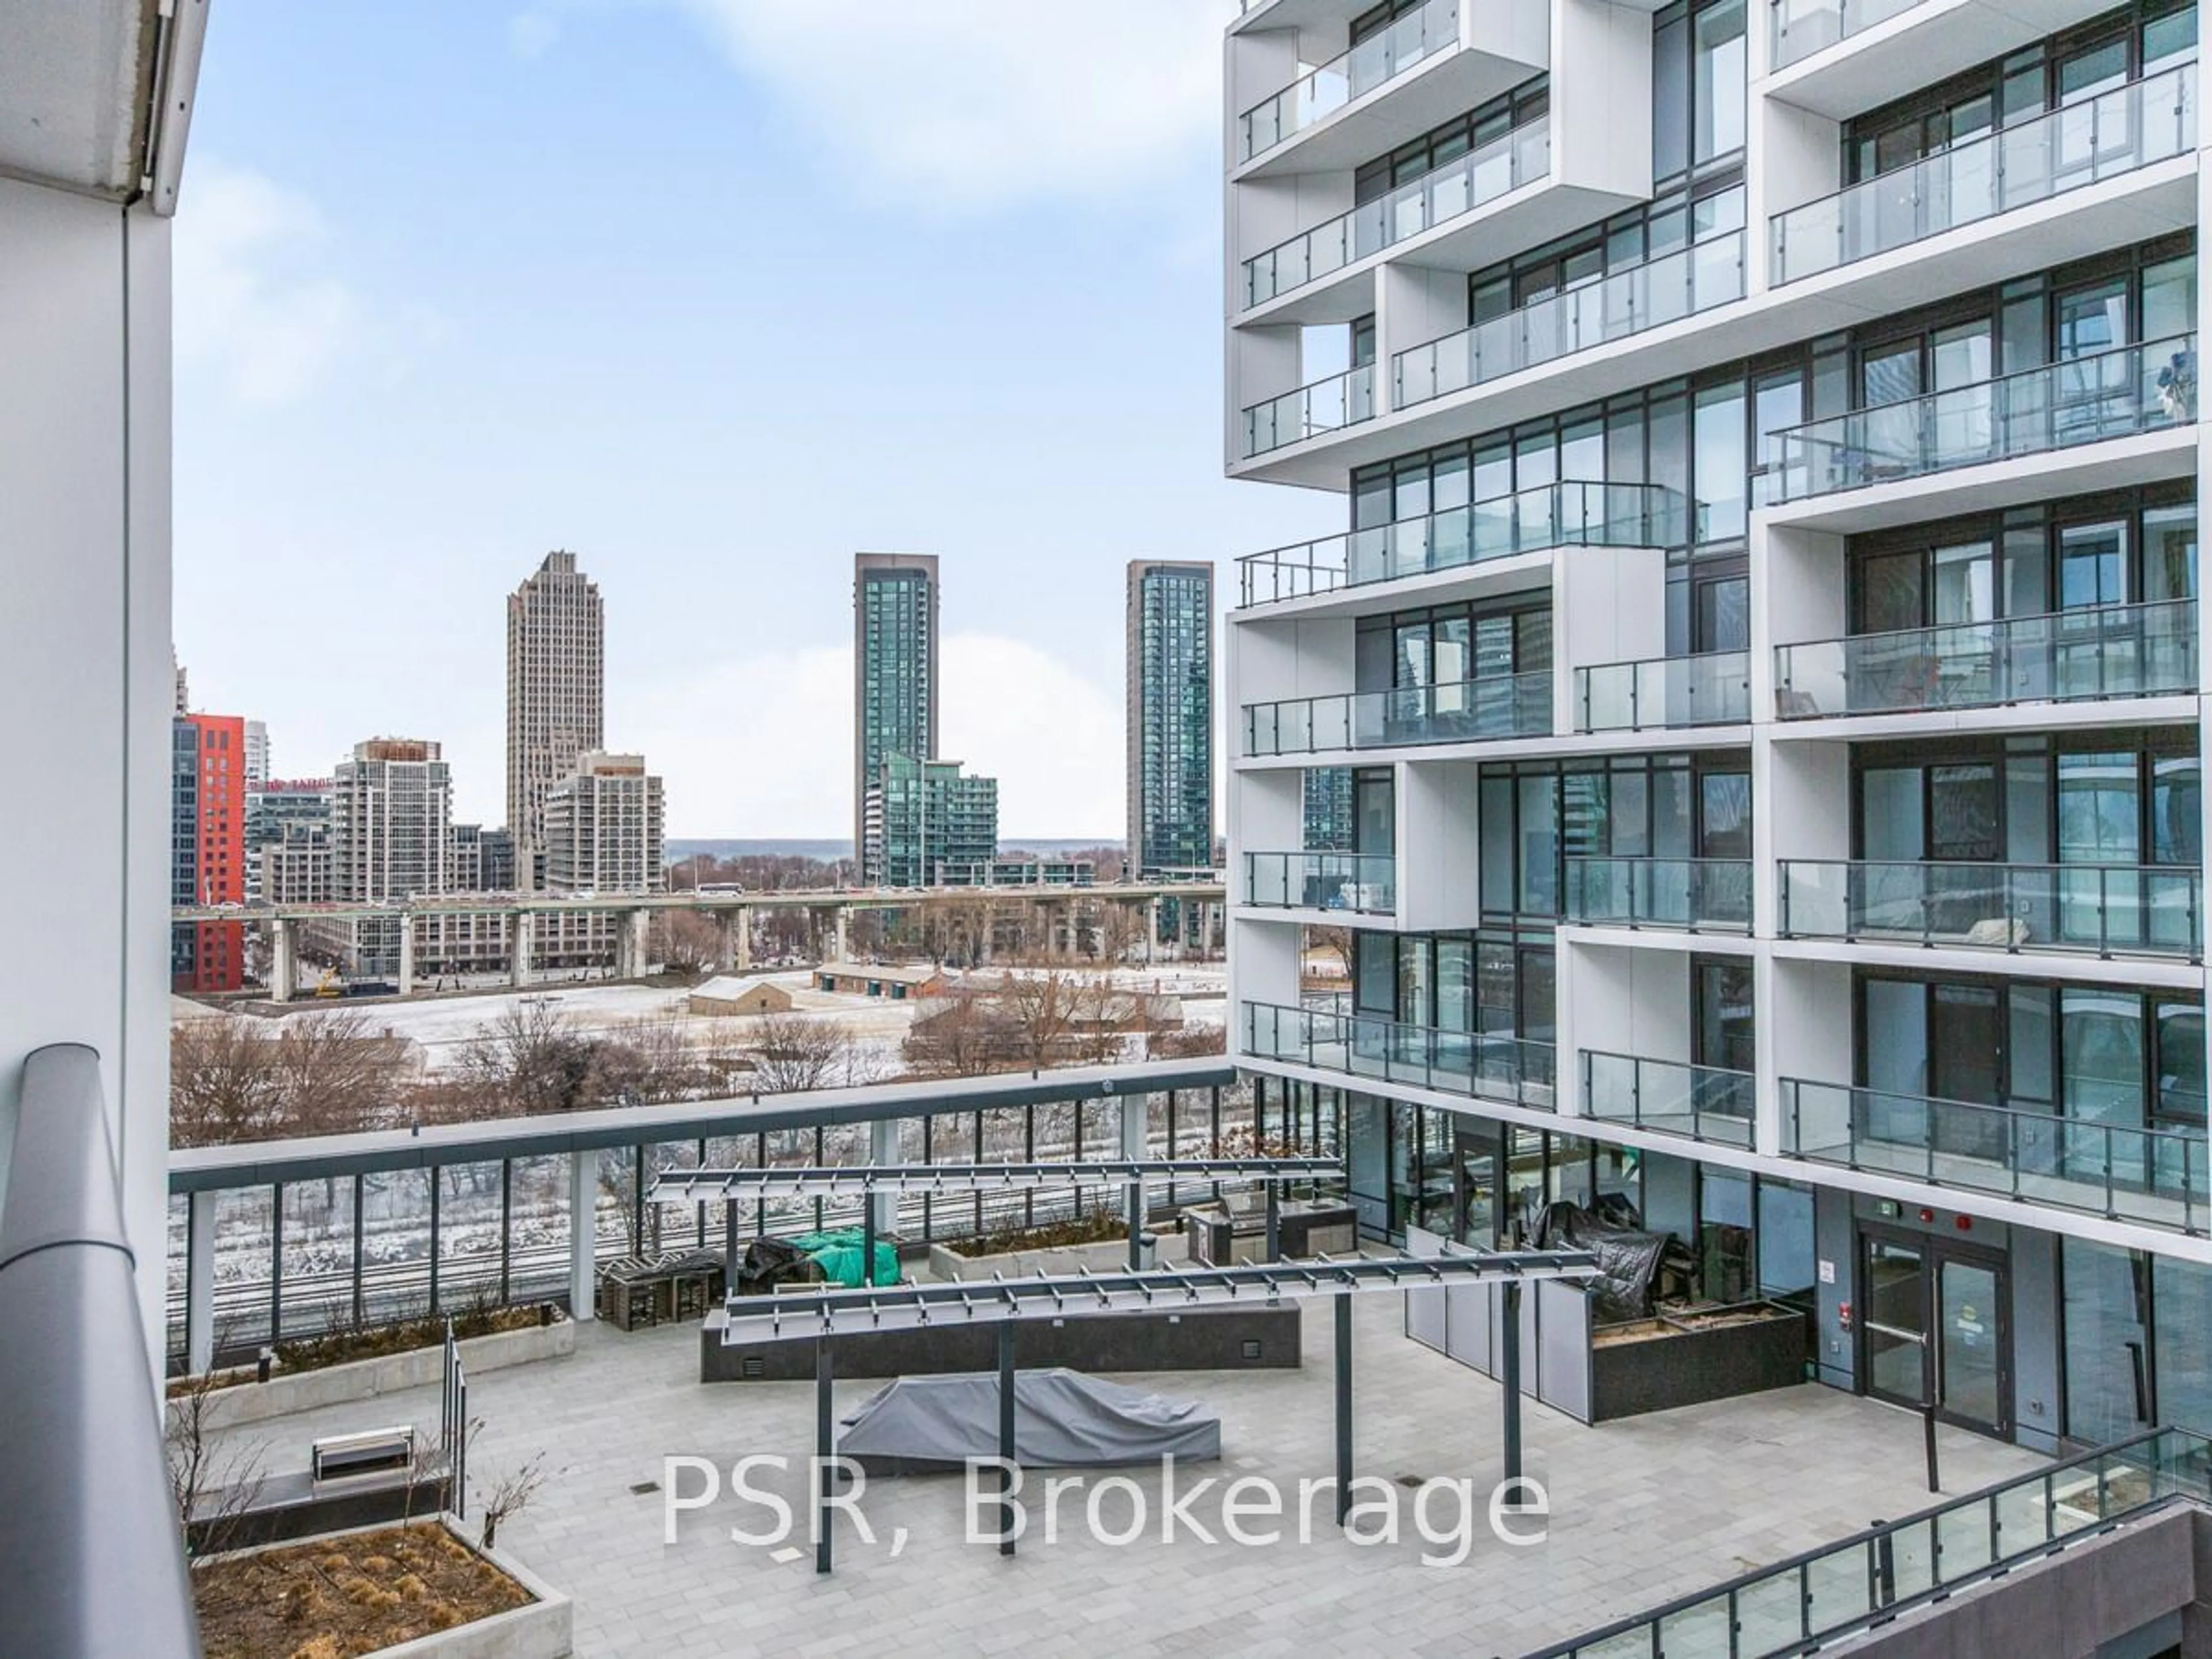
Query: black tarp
pixel 770 1264
pixel 1627 1258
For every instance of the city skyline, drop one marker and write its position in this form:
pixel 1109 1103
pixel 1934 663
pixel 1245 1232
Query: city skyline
pixel 372 421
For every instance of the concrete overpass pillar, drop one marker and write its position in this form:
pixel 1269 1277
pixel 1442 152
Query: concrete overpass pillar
pixel 519 961
pixel 406 953
pixel 632 943
pixel 741 922
pixel 844 933
pixel 1152 927
pixel 283 960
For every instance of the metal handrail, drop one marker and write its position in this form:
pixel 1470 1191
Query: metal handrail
pixel 88 1527
pixel 2131 909
pixel 2161 1453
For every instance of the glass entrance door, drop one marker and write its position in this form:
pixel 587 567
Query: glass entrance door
pixel 1970 1380
pixel 1894 1331
pixel 1937 1328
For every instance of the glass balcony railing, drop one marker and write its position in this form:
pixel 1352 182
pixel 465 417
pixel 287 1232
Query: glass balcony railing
pixel 1327 405
pixel 1701 1102
pixel 1814 1600
pixel 1479 1065
pixel 1798 28
pixel 1714 690
pixel 1464 711
pixel 1691 894
pixel 1316 93
pixel 2124 1172
pixel 2083 400
pixel 1662 290
pixel 1477 178
pixel 1364 883
pixel 2098 652
pixel 2098 909
pixel 2082 144
pixel 1573 513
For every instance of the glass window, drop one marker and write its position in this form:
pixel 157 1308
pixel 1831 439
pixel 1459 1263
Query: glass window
pixel 1494 824
pixel 1721 469
pixel 1785 1241
pixel 2101 1051
pixel 2169 555
pixel 1540 864
pixel 2107 1362
pixel 1717 81
pixel 2181 1062
pixel 1670 98
pixel 2182 1340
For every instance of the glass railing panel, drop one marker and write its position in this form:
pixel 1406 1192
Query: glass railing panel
pixel 1571 513
pixel 2157 1177
pixel 1463 711
pixel 1798 28
pixel 1701 1628
pixel 2085 399
pixel 1475 1063
pixel 1363 883
pixel 2102 909
pixel 1662 290
pixel 1476 179
pixel 1322 91
pixel 1641 892
pixel 1699 1103
pixel 1769 1615
pixel 2098 652
pixel 1838 1588
pixel 1327 405
pixel 1714 690
pixel 2082 144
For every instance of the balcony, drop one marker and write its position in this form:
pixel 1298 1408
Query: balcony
pixel 1325 405
pixel 1663 291
pixel 1481 177
pixel 1474 1064
pixel 1698 1102
pixel 1568 515
pixel 2084 400
pixel 2094 909
pixel 2152 1177
pixel 1658 692
pixel 1693 896
pixel 1319 93
pixel 2097 652
pixel 1359 883
pixel 2082 143
pixel 1798 28
pixel 1463 711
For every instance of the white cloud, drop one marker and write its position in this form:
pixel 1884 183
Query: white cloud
pixel 961 105
pixel 763 746
pixel 533 33
pixel 249 307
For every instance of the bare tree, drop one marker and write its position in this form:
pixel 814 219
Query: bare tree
pixel 510 1493
pixel 212 1486
pixel 685 942
pixel 232 1079
pixel 529 1060
pixel 1040 1009
pixel 962 1036
pixel 794 1052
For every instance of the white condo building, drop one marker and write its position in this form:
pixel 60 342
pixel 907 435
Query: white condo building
pixel 1761 656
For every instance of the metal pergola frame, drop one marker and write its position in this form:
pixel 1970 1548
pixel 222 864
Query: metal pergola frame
pixel 824 1316
pixel 726 1186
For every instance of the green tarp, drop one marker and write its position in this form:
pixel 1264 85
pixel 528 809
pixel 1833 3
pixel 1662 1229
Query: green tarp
pixel 839 1254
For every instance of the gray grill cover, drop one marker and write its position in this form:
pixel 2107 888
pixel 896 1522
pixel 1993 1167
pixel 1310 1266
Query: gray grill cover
pixel 1062 1419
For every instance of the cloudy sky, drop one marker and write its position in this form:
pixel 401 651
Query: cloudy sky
pixel 715 293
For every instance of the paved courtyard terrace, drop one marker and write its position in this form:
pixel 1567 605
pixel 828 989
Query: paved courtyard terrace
pixel 1643 1509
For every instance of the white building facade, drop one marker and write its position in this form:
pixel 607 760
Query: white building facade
pixel 602 828
pixel 1760 657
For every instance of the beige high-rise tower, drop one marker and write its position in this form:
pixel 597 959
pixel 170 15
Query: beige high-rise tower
pixel 555 697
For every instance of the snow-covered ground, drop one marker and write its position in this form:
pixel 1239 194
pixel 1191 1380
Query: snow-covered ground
pixel 441 1025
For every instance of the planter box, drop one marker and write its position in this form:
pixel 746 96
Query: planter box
pixel 543 1629
pixel 1200 1340
pixel 1689 1367
pixel 364 1379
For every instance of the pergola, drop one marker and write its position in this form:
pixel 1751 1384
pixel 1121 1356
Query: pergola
pixel 726 1186
pixel 824 1316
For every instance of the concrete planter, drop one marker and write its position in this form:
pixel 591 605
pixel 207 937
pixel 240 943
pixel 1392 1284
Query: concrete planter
pixel 543 1629
pixel 365 1379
